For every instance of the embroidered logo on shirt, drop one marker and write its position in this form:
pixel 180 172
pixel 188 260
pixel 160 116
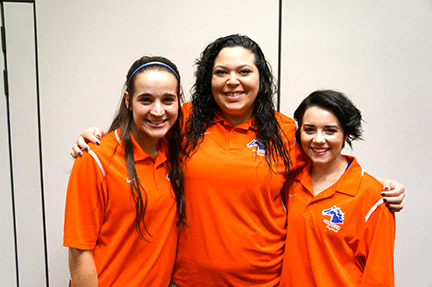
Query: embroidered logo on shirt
pixel 168 177
pixel 336 217
pixel 257 146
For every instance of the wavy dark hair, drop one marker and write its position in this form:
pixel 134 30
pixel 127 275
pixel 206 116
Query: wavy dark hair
pixel 340 105
pixel 204 106
pixel 124 121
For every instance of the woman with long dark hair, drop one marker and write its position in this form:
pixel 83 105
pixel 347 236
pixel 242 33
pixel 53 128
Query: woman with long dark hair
pixel 237 158
pixel 125 197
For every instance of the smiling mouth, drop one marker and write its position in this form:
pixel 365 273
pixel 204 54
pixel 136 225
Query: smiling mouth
pixel 233 94
pixel 320 150
pixel 157 123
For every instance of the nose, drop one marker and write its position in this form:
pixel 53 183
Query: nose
pixel 232 80
pixel 157 109
pixel 319 138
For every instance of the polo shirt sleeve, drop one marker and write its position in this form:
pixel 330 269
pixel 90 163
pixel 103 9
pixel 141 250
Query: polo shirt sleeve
pixel 85 203
pixel 377 247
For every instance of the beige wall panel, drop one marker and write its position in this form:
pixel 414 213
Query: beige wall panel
pixel 24 137
pixel 7 249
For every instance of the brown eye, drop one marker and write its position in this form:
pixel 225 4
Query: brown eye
pixel 308 130
pixel 169 100
pixel 219 72
pixel 245 71
pixel 331 131
pixel 145 100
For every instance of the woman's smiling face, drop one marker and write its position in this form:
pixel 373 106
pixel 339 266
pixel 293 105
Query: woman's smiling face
pixel 235 83
pixel 322 136
pixel 154 105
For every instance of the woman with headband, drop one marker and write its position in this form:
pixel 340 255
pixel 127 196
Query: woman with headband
pixel 238 153
pixel 125 196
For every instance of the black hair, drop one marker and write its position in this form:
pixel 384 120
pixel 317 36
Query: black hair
pixel 340 105
pixel 124 120
pixel 204 106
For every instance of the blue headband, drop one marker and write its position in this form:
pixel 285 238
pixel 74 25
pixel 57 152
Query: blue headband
pixel 152 63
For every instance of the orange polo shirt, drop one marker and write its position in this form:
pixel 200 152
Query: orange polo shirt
pixel 235 216
pixel 100 215
pixel 344 236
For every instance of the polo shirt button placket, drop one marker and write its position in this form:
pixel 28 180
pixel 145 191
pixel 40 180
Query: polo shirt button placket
pixel 232 135
pixel 155 177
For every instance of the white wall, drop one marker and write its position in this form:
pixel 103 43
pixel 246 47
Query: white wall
pixel 378 53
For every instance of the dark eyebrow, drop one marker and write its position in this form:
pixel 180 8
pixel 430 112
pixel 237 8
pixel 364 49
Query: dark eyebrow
pixel 150 95
pixel 239 67
pixel 326 126
pixel 143 95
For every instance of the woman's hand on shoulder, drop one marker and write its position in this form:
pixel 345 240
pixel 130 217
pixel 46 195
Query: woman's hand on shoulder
pixel 92 134
pixel 394 194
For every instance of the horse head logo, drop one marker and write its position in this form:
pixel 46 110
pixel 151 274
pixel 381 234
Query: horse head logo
pixel 259 147
pixel 337 216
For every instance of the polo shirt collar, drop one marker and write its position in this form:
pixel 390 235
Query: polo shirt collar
pixel 220 118
pixel 348 183
pixel 139 154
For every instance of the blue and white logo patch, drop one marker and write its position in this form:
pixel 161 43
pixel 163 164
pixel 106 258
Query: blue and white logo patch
pixel 336 217
pixel 257 147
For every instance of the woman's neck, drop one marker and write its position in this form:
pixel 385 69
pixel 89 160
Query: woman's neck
pixel 237 119
pixel 148 144
pixel 324 176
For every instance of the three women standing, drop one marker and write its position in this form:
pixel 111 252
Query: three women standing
pixel 238 152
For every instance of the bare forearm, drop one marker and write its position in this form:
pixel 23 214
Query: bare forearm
pixel 82 268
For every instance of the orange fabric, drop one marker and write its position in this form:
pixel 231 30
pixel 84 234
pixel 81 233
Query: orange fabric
pixel 235 216
pixel 100 215
pixel 321 251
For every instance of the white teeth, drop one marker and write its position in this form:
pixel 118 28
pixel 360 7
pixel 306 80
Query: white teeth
pixel 156 122
pixel 320 149
pixel 234 94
